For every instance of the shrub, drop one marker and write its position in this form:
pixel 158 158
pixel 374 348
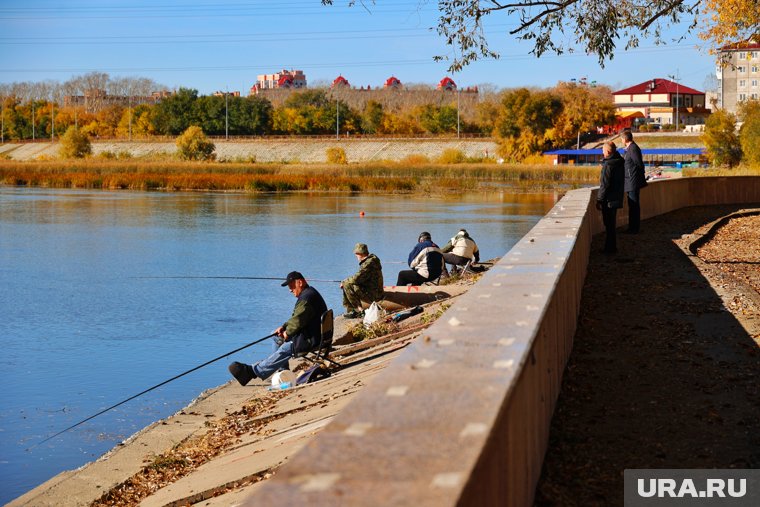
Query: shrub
pixel 74 144
pixel 749 134
pixel 720 139
pixel 452 156
pixel 336 155
pixel 193 145
pixel 415 159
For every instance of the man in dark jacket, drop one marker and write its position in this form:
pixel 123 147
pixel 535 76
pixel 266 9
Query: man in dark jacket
pixel 609 197
pixel 426 261
pixel 365 286
pixel 635 180
pixel 300 333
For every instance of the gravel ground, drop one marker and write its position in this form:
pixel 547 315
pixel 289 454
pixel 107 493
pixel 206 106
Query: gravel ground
pixel 665 370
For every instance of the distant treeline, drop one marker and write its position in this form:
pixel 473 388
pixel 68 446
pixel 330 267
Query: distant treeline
pixel 526 121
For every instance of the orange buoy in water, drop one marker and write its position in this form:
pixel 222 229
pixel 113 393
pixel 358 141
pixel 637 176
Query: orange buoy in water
pixel 361 213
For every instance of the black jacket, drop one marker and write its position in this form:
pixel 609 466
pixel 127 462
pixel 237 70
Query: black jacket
pixel 635 176
pixel 304 326
pixel 611 183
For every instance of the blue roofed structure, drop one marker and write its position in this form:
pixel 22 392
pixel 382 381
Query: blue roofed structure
pixel 652 156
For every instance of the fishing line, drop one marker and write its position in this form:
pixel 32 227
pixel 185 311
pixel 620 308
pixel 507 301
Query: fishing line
pixel 152 388
pixel 234 278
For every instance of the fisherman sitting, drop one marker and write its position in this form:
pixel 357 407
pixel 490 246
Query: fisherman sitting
pixel 426 261
pixel 300 333
pixel 365 286
pixel 461 249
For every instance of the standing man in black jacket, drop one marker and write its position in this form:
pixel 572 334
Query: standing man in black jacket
pixel 609 198
pixel 635 180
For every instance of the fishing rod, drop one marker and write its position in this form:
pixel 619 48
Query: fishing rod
pixel 234 278
pixel 150 389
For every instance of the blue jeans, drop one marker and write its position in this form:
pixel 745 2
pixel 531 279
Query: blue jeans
pixel 278 360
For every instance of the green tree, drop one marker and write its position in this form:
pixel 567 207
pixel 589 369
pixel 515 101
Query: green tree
pixel 438 119
pixel 74 144
pixel 749 133
pixel 720 139
pixel 193 145
pixel 176 113
pixel 372 117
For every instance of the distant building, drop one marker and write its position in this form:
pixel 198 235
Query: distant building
pixel 660 101
pixel 392 82
pixel 282 79
pixel 447 84
pixel 96 99
pixel 340 81
pixel 738 75
pixel 222 94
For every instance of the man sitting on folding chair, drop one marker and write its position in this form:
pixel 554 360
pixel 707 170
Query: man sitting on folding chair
pixel 461 250
pixel 301 333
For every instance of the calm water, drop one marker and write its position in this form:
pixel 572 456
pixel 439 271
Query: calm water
pixel 81 330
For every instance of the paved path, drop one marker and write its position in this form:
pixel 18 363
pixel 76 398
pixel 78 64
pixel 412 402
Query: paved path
pixel 662 374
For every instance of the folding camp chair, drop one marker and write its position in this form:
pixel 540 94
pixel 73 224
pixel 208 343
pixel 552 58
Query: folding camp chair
pixel 323 348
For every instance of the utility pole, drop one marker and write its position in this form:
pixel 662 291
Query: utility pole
pixel 32 119
pixel 130 115
pixel 457 112
pixel 337 118
pixel 226 116
pixel 676 79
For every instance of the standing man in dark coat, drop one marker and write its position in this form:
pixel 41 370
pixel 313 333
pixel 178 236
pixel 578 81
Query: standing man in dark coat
pixel 635 180
pixel 609 198
pixel 300 333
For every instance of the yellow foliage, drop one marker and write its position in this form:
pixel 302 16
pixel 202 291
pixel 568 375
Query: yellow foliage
pixel 730 22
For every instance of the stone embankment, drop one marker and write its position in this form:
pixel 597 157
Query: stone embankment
pixel 277 150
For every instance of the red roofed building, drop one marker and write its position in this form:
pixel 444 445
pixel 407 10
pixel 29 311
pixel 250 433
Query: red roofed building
pixel 392 82
pixel 340 81
pixel 661 101
pixel 447 84
pixel 282 79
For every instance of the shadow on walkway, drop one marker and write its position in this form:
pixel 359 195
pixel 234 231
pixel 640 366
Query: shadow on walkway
pixel 661 374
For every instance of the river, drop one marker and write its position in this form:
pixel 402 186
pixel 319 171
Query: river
pixel 83 325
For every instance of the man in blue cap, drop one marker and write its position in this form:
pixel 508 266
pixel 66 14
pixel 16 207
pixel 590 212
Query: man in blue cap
pixel 299 334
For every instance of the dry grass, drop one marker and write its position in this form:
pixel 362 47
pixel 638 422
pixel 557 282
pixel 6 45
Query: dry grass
pixel 384 177
pixel 742 170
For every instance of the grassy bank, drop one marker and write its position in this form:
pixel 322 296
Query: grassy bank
pixel 370 177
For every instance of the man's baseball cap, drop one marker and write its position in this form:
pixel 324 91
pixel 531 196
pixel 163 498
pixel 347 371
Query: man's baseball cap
pixel 292 277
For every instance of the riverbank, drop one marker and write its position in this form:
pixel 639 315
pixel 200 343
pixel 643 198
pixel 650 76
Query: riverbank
pixel 232 437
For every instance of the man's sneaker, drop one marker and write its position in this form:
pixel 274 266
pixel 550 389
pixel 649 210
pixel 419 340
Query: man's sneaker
pixel 353 314
pixel 243 373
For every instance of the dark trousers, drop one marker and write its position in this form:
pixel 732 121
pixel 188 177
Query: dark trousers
pixel 410 276
pixel 634 211
pixel 609 216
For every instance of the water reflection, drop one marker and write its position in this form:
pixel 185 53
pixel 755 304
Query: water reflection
pixel 82 330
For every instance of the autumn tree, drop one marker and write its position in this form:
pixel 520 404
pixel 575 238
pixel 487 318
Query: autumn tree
pixel 194 145
pixel 749 133
pixel 721 141
pixel 583 109
pixel 74 144
pixel 524 119
pixel 590 26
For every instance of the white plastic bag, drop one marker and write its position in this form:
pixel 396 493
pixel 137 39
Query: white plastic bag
pixel 373 314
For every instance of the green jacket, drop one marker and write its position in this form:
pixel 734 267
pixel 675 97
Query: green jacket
pixel 369 278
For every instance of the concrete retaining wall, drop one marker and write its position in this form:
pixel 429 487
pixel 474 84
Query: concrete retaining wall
pixel 462 417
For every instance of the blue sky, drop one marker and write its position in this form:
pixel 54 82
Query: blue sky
pixel 216 46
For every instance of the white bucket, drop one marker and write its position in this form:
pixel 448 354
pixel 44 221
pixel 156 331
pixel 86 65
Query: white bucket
pixel 283 377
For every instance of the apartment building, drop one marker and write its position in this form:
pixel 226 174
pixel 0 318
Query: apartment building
pixel 283 79
pixel 738 75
